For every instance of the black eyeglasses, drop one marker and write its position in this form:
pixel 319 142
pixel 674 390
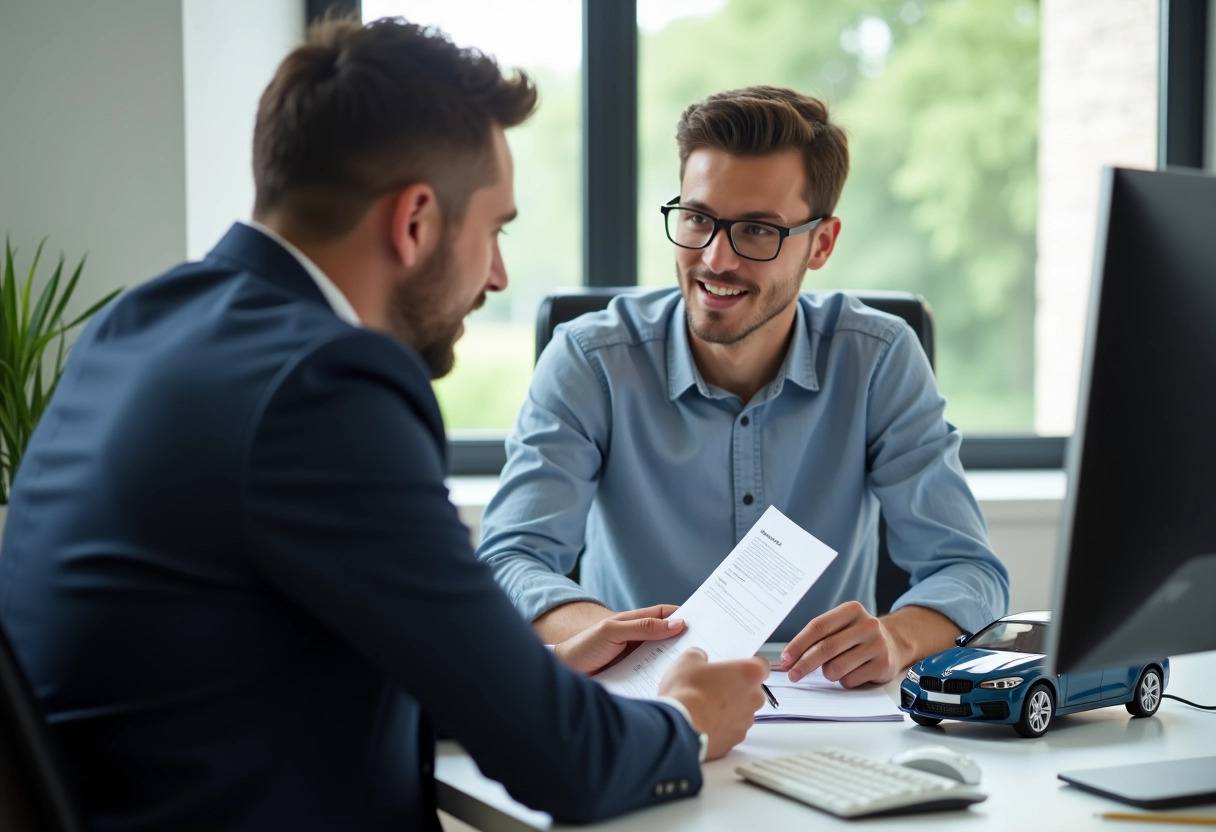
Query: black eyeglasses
pixel 750 239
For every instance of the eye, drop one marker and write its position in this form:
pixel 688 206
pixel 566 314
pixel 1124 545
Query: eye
pixel 757 230
pixel 696 219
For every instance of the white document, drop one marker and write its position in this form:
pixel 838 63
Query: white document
pixel 737 608
pixel 814 697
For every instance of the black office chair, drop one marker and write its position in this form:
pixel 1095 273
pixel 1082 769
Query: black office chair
pixel 566 304
pixel 33 793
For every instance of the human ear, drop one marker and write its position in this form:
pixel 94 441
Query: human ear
pixel 824 243
pixel 416 224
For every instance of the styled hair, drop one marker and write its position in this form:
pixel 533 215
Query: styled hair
pixel 360 110
pixel 759 120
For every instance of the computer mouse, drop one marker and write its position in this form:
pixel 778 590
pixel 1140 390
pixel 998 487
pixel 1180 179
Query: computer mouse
pixel 938 759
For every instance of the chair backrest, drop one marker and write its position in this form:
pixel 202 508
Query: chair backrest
pixel 566 304
pixel 33 792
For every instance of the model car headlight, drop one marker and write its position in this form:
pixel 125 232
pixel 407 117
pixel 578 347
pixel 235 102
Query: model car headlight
pixel 1002 684
pixel 913 676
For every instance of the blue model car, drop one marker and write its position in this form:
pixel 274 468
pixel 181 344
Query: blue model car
pixel 1000 675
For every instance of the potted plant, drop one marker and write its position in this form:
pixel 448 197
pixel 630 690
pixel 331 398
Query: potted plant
pixel 33 348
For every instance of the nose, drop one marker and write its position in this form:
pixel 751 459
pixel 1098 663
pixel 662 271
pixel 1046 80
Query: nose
pixel 718 256
pixel 498 272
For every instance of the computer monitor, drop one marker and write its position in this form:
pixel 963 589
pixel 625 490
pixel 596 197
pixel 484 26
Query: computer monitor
pixel 1136 578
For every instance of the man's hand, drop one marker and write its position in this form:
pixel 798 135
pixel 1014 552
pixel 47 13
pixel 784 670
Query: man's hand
pixel 601 644
pixel 721 697
pixel 568 620
pixel 854 647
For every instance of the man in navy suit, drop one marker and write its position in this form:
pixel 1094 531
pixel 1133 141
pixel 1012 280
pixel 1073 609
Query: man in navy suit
pixel 231 569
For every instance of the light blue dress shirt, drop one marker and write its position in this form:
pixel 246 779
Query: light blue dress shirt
pixel 623 448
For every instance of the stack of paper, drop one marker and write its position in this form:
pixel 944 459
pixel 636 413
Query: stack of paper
pixel 814 697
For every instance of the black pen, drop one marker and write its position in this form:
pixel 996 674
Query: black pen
pixel 772 700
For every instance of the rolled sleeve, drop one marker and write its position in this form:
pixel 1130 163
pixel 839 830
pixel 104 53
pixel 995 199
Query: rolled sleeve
pixel 935 530
pixel 534 526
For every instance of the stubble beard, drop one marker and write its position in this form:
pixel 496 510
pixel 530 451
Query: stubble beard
pixel 420 316
pixel 704 328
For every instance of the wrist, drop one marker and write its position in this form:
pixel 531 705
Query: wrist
pixel 568 620
pixel 702 737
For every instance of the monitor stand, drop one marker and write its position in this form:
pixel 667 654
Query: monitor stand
pixel 1159 785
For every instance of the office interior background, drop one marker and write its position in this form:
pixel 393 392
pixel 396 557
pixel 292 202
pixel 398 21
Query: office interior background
pixel 977 129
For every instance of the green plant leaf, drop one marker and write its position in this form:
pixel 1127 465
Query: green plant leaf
pixel 68 292
pixel 29 284
pixel 34 324
pixel 30 325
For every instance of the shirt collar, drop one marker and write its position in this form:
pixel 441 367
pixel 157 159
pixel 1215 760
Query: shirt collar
pixel 333 295
pixel 682 373
pixel 681 369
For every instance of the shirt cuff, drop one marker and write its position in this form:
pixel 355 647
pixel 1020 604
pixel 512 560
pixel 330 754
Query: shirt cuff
pixel 703 739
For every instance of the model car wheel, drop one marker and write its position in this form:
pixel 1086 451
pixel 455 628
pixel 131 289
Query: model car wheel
pixel 1037 712
pixel 926 721
pixel 1148 694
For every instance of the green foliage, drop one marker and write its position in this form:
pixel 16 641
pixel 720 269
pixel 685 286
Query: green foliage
pixel 941 199
pixel 493 369
pixel 943 132
pixel 33 347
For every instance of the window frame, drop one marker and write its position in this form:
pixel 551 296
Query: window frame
pixel 610 180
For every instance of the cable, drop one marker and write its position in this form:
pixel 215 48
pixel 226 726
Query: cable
pixel 1189 702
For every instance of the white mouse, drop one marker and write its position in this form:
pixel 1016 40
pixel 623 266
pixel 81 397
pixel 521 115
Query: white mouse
pixel 938 759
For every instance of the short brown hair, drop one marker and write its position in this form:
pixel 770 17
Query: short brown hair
pixel 757 121
pixel 360 110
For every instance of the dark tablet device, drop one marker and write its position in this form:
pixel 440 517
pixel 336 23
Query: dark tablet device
pixel 1159 785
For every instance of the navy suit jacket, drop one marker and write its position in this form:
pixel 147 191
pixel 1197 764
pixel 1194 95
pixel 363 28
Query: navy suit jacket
pixel 234 577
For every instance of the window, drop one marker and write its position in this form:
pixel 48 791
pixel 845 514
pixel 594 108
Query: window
pixel 977 129
pixel 542 249
pixel 956 111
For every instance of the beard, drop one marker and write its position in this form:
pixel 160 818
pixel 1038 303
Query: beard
pixel 711 326
pixel 422 314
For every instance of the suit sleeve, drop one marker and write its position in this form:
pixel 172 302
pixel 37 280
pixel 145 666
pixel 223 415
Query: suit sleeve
pixel 347 515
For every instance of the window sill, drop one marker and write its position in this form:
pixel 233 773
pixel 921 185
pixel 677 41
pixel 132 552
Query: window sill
pixel 1006 494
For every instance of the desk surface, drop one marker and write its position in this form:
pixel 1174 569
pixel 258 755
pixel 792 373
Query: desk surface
pixel 1019 775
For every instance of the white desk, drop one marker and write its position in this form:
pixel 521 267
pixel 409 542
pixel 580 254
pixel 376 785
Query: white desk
pixel 1019 775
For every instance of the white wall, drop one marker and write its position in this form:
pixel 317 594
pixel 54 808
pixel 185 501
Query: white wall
pixel 91 135
pixel 125 126
pixel 226 68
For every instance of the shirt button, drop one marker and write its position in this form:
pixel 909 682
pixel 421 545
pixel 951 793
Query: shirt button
pixel 744 421
pixel 683 785
pixel 658 790
pixel 748 499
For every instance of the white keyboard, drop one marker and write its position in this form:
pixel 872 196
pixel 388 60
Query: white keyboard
pixel 852 785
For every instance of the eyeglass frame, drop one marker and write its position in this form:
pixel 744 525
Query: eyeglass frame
pixel 721 224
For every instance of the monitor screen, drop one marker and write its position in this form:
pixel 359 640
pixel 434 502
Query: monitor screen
pixel 1136 578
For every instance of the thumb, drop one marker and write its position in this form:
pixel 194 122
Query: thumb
pixel 760 665
pixel 691 657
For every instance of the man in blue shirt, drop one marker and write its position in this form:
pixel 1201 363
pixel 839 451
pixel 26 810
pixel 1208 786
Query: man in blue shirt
pixel 657 432
pixel 231 570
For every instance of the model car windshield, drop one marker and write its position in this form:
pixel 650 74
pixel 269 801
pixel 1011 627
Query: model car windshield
pixel 1013 636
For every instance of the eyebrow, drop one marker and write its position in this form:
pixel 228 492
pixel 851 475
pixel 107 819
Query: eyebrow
pixel 508 217
pixel 750 215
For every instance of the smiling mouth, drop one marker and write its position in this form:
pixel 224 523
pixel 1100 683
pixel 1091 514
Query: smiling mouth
pixel 720 291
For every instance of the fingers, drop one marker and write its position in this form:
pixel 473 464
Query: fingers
pixel 643 629
pixel 657 611
pixel 829 636
pixel 819 628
